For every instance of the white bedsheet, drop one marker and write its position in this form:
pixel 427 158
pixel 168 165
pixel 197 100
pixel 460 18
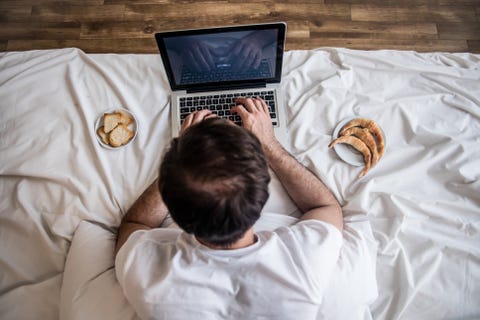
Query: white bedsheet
pixel 422 199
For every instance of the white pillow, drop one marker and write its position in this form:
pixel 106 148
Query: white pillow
pixel 90 289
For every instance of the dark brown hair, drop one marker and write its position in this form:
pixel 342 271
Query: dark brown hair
pixel 214 181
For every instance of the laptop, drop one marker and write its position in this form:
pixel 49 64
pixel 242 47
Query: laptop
pixel 210 68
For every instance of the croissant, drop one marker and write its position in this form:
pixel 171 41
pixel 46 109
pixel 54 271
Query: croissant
pixel 366 136
pixel 371 126
pixel 360 146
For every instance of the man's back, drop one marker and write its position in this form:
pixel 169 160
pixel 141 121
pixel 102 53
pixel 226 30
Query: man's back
pixel 168 274
pixel 214 181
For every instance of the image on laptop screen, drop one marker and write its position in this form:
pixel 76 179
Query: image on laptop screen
pixel 222 56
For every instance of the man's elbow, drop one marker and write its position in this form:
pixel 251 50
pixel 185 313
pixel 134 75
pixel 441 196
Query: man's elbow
pixel 338 213
pixel 331 214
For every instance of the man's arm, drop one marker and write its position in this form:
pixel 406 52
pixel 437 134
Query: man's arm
pixel 309 193
pixel 146 213
pixel 149 211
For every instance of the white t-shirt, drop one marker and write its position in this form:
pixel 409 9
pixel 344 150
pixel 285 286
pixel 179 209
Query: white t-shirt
pixel 168 274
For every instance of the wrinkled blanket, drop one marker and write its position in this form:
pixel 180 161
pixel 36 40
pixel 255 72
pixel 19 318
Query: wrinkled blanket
pixel 422 199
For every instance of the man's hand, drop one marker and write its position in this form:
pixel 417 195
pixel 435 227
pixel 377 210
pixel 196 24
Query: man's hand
pixel 256 118
pixel 194 118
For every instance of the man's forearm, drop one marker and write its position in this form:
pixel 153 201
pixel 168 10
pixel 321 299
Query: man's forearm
pixel 311 196
pixel 148 211
pixel 149 208
pixel 306 190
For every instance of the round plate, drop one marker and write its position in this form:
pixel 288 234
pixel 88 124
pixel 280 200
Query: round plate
pixel 346 152
pixel 132 126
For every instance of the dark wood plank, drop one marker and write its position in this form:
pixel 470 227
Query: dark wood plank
pixel 407 3
pixel 459 2
pixel 379 44
pixel 68 12
pixel 12 11
pixel 412 14
pixel 473 46
pixel 210 11
pixel 42 30
pixel 94 25
pixel 404 3
pixel 88 45
pixel 120 30
pixel 50 2
pixel 369 30
pixel 309 11
pixel 139 1
pixel 470 31
pixel 146 28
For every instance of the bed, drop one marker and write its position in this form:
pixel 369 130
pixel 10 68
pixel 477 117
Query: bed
pixel 63 194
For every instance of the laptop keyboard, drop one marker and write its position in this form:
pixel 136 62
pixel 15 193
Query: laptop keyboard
pixel 220 104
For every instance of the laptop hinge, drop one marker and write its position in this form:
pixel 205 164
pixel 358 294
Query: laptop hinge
pixel 229 87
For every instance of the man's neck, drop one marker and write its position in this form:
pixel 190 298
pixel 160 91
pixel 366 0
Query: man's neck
pixel 246 240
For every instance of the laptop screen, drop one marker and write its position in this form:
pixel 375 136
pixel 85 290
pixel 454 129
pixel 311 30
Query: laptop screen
pixel 223 57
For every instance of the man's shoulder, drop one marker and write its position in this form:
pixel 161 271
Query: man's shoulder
pixel 310 238
pixel 152 237
pixel 143 245
pixel 306 228
pixel 159 235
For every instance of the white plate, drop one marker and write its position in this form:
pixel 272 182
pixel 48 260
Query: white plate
pixel 346 152
pixel 132 126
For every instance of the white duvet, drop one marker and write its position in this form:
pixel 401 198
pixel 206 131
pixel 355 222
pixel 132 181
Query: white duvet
pixel 422 199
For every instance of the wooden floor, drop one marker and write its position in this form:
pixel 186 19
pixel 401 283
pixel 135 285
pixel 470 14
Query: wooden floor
pixel 127 26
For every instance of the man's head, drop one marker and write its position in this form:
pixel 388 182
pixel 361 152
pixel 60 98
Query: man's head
pixel 214 181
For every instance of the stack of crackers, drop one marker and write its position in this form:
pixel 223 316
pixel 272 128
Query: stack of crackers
pixel 115 131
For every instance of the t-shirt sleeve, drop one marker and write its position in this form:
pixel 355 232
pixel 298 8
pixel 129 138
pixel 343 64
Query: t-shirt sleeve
pixel 316 246
pixel 138 240
pixel 135 258
pixel 125 251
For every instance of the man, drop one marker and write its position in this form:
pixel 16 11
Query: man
pixel 214 181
